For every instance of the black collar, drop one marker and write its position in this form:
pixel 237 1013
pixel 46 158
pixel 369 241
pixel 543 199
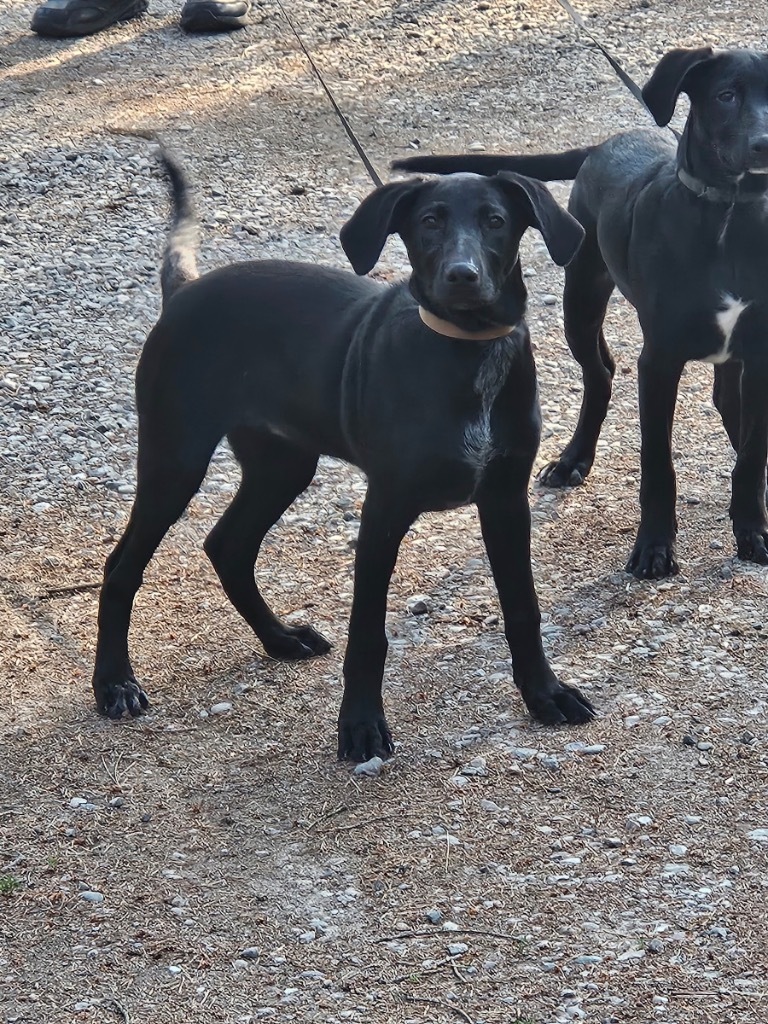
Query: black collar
pixel 731 194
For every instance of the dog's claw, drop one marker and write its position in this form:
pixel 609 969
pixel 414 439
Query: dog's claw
pixel 652 561
pixel 563 473
pixel 116 700
pixel 296 643
pixel 557 704
pixel 752 546
pixel 553 702
pixel 363 736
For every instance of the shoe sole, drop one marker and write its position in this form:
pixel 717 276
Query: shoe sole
pixel 207 20
pixel 55 28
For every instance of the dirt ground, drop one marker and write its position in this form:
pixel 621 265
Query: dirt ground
pixel 205 867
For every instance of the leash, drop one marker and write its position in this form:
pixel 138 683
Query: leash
pixel 337 109
pixel 627 80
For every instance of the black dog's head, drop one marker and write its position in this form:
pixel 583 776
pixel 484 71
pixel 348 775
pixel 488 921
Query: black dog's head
pixel 462 234
pixel 726 135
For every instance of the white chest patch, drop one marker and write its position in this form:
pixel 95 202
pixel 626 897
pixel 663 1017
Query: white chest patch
pixel 726 318
pixel 479 443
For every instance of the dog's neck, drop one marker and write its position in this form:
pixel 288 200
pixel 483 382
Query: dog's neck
pixel 449 330
pixel 703 176
pixel 481 324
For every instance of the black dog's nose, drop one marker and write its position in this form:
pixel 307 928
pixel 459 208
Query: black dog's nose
pixel 462 273
pixel 759 146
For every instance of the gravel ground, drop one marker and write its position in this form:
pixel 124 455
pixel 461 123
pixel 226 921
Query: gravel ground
pixel 212 862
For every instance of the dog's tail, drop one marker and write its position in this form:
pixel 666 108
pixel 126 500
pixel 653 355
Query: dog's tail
pixel 543 166
pixel 180 256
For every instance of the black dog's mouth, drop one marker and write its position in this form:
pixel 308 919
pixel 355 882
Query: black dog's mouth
pixel 465 298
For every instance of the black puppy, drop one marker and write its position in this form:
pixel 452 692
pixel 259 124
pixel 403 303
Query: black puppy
pixel 430 391
pixel 683 233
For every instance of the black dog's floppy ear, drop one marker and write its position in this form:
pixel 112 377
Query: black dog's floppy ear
pixel 561 232
pixel 662 89
pixel 377 217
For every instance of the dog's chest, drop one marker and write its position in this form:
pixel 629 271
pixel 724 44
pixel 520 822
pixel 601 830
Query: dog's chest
pixel 483 433
pixel 726 319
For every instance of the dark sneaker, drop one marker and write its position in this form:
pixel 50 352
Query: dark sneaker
pixel 214 15
pixel 63 18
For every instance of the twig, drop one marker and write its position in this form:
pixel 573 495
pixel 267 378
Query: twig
pixel 417 972
pixel 113 1004
pixel 359 824
pixel 444 932
pixel 76 588
pixel 436 1002
pixel 457 972
pixel 327 815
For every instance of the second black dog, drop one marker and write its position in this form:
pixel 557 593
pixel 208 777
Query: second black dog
pixel 683 232
pixel 430 391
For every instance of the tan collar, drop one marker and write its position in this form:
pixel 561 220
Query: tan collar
pixel 449 330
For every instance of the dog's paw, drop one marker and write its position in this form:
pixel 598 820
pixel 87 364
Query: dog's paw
pixel 363 736
pixel 649 561
pixel 752 545
pixel 121 698
pixel 563 473
pixel 294 643
pixel 557 704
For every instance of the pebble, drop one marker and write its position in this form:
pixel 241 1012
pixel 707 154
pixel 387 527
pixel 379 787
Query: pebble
pixel 92 897
pixel 419 604
pixel 434 916
pixel 759 835
pixel 372 768
pixel 250 953
pixel 221 708
pixel 457 948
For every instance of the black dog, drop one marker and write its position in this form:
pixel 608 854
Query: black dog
pixel 432 393
pixel 684 236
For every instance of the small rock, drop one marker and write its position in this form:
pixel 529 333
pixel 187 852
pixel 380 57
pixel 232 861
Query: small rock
pixel 457 948
pixel 434 916
pixel 221 708
pixel 371 768
pixel 678 850
pixel 419 604
pixel 759 835
pixel 549 300
pixel 92 897
pixel 476 147
pixel 524 753
pixel 250 953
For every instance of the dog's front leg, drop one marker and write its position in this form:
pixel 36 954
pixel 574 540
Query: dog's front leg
pixel 505 520
pixel 750 521
pixel 653 555
pixel 363 729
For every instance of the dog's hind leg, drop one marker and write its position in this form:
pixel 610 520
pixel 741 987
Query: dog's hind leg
pixel 275 472
pixel 588 287
pixel 726 396
pixel 166 481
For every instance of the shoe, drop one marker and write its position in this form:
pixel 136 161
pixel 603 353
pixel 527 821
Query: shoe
pixel 214 15
pixel 64 18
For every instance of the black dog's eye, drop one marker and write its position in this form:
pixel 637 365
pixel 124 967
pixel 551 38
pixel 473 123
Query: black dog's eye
pixel 429 220
pixel 726 96
pixel 495 221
